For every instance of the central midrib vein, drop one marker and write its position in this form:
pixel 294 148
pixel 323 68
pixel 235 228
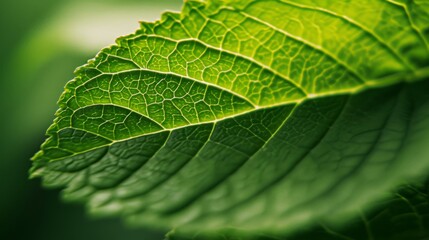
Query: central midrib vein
pixel 420 74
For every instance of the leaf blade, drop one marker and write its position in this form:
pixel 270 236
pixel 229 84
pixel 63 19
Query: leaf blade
pixel 122 118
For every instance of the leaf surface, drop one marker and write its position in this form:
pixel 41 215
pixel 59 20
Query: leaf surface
pixel 247 115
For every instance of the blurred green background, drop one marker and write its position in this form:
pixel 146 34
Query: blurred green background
pixel 41 44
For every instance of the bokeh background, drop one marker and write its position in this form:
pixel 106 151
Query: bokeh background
pixel 41 43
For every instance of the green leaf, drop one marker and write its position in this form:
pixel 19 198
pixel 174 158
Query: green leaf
pixel 248 116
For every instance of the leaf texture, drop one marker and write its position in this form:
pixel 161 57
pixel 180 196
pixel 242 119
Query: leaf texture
pixel 247 116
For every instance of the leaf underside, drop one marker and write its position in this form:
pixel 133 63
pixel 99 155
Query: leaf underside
pixel 243 117
pixel 405 215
